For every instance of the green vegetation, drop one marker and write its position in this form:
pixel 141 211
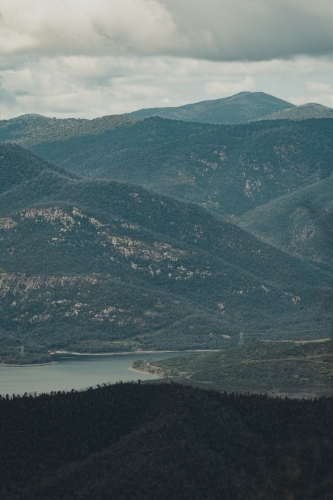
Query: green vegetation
pixel 227 169
pixel 299 222
pixel 33 128
pixel 147 441
pixel 102 264
pixel 18 166
pixel 94 266
pixel 11 356
pixel 303 112
pixel 303 369
pixel 239 108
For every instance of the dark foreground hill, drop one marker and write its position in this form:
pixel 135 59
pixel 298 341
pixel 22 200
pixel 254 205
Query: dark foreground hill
pixel 228 169
pixel 239 108
pixel 95 266
pixel 135 441
pixel 297 369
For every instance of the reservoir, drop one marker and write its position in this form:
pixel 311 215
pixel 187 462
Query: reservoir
pixel 72 371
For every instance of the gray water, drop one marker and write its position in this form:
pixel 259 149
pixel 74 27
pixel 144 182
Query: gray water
pixel 75 372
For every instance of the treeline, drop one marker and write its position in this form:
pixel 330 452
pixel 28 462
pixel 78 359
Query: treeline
pixel 144 441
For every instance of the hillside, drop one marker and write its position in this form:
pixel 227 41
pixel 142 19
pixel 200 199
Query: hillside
pixel 107 266
pixel 297 369
pixel 33 128
pixel 145 441
pixel 300 222
pixel 93 151
pixel 32 125
pixel 239 108
pixel 303 112
pixel 228 169
pixel 18 166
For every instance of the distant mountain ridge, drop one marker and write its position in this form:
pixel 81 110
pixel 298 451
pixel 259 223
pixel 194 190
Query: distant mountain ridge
pixel 239 108
pixel 33 128
pixel 303 112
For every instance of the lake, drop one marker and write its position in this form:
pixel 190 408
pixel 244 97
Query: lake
pixel 76 372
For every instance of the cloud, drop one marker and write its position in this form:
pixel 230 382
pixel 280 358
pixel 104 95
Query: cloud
pixel 254 30
pixel 221 30
pixel 86 27
pixel 323 88
pixel 90 58
pixel 322 93
pixel 216 89
pixel 87 86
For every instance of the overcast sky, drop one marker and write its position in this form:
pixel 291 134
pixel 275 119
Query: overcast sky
pixel 88 58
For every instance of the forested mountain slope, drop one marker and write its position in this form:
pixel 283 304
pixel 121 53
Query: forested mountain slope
pixel 228 169
pixel 18 165
pixel 145 441
pixel 303 112
pixel 238 108
pixel 300 222
pixel 101 265
pixel 286 368
pixel 33 128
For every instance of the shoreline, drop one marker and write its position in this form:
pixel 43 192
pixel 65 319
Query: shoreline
pixel 126 353
pixel 8 365
pixel 143 371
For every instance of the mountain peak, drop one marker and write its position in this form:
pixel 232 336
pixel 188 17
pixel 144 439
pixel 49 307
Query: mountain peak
pixel 239 108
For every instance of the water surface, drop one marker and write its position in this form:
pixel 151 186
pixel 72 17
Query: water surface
pixel 75 372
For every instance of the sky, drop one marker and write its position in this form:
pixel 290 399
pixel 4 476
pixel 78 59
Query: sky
pixel 89 58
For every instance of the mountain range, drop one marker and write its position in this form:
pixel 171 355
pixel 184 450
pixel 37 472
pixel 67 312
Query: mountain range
pixel 239 108
pixel 102 265
pixel 228 169
pixel 120 234
pixel 302 112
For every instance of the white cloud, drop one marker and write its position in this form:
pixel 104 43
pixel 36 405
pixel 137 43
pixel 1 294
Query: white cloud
pixel 321 93
pixel 216 89
pixel 323 88
pixel 210 29
pixel 95 57
pixel 86 27
pixel 87 86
